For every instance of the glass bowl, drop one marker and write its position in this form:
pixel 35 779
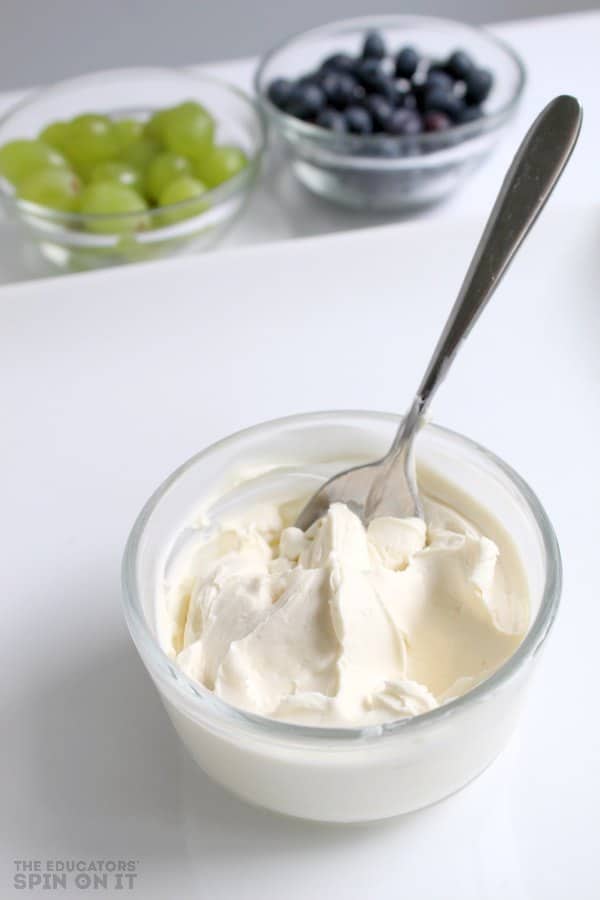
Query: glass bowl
pixel 66 239
pixel 378 172
pixel 339 774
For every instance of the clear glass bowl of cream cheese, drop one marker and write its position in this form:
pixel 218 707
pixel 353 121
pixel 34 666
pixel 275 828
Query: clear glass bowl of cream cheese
pixel 382 764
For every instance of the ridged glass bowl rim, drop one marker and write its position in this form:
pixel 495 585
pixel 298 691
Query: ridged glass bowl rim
pixel 214 197
pixel 354 142
pixel 260 726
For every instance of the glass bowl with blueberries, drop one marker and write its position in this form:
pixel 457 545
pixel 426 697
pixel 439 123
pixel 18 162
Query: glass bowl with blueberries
pixel 128 165
pixel 389 113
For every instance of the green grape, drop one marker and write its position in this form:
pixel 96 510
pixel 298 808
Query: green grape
pixel 165 168
pixel 89 141
pixel 140 153
pixel 55 135
pixel 111 199
pixel 183 188
pixel 154 127
pixel 126 131
pixel 220 164
pixel 188 129
pixel 120 172
pixel 21 158
pixel 57 188
pixel 190 106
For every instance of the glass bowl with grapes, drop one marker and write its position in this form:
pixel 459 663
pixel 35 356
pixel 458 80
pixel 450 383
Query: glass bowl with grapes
pixel 389 113
pixel 128 165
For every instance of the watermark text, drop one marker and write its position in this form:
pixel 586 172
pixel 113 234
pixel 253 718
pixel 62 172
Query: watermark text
pixel 82 874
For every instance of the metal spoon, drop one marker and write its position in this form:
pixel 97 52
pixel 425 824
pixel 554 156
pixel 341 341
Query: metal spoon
pixel 388 487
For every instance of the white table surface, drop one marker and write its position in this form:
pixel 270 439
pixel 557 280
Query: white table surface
pixel 110 380
pixel 559 52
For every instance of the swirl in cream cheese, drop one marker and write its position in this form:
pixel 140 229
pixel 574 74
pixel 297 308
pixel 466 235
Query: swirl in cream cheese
pixel 341 625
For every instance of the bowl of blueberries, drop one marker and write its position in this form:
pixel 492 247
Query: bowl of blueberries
pixel 388 113
pixel 128 165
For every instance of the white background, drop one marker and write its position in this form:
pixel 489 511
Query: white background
pixel 109 381
pixel 42 41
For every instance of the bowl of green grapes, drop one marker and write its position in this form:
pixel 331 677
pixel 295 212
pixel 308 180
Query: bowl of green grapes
pixel 128 165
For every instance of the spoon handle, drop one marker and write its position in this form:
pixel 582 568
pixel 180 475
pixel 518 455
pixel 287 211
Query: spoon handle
pixel 536 168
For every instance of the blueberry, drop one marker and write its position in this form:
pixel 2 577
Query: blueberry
pixel 436 121
pixel 442 101
pixel 418 93
pixel 339 62
pixel 388 89
pixel 437 78
pixel 279 91
pixel 358 120
pixel 340 88
pixel 459 65
pixel 369 73
pixel 374 46
pixel 380 109
pixel 375 80
pixel 383 85
pixel 407 61
pixel 404 121
pixel 331 119
pixel 478 86
pixel 305 101
pixel 469 114
pixel 408 100
pixel 311 78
